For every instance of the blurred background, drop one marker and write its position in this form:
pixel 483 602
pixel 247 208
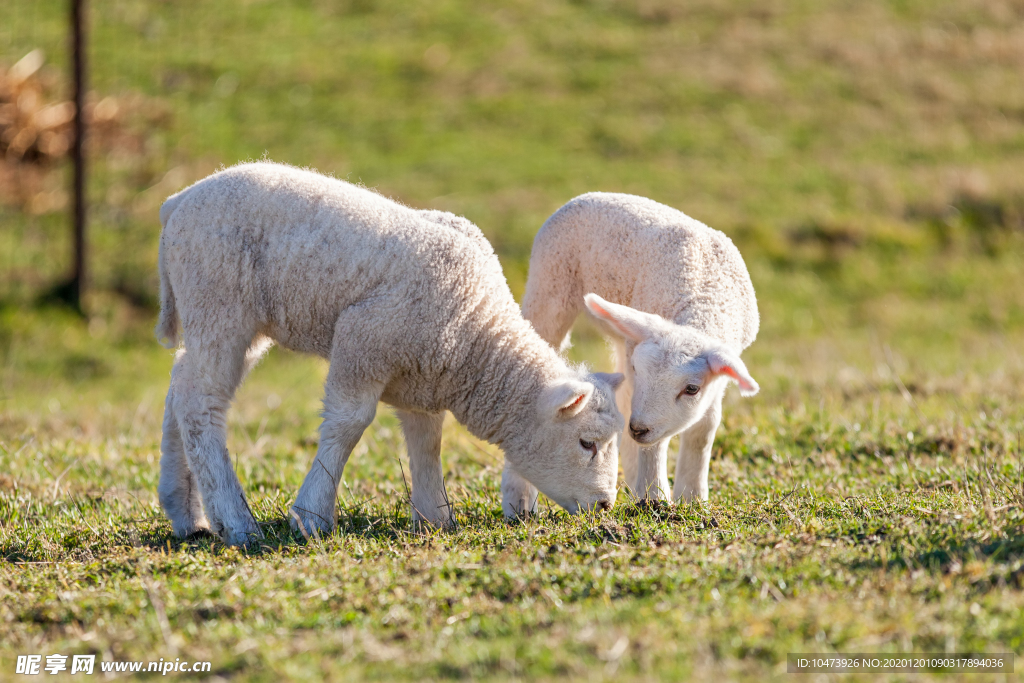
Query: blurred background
pixel 866 157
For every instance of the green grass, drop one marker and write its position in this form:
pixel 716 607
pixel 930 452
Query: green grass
pixel 830 528
pixel 765 115
pixel 865 157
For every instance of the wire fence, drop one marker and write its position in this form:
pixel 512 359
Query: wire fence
pixel 163 82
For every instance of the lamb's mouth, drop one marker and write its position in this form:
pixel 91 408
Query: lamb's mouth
pixel 573 508
pixel 645 439
pixel 641 433
pixel 599 505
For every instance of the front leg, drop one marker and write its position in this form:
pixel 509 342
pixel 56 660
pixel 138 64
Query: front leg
pixel 518 496
pixel 347 414
pixel 629 453
pixel 651 470
pixel 430 503
pixel 695 446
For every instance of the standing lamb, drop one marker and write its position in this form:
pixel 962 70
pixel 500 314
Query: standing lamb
pixel 685 311
pixel 410 308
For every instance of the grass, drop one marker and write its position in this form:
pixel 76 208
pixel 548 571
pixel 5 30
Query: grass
pixel 866 159
pixel 763 115
pixel 845 516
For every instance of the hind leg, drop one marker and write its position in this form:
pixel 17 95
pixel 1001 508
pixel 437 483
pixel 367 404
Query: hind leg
pixel 202 388
pixel 551 310
pixel 551 302
pixel 178 491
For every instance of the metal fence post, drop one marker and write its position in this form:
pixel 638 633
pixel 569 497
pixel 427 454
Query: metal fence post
pixel 77 283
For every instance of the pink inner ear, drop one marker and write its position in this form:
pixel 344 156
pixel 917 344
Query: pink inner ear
pixel 597 308
pixel 623 327
pixel 727 370
pixel 574 403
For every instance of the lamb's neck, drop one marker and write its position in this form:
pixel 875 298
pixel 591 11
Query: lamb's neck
pixel 502 378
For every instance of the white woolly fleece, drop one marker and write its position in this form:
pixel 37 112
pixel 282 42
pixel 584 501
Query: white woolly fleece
pixel 639 253
pixel 410 307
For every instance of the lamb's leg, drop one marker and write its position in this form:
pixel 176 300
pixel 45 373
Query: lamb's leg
pixel 645 467
pixel 628 458
pixel 202 387
pixel 651 470
pixel 430 502
pixel 695 455
pixel 518 496
pixel 178 490
pixel 550 304
pixel 257 349
pixel 628 449
pixel 347 414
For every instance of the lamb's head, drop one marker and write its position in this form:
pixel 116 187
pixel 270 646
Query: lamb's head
pixel 570 451
pixel 677 370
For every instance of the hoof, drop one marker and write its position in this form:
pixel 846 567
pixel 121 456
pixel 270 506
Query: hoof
pixel 191 528
pixel 422 524
pixel 654 505
pixel 310 525
pixel 248 536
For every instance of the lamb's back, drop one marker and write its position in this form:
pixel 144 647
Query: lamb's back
pixel 298 248
pixel 638 252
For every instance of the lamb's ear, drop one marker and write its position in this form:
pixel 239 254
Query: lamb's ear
pixel 614 379
pixel 624 321
pixel 725 362
pixel 566 399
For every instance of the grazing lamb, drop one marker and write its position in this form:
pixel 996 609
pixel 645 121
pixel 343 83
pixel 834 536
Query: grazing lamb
pixel 410 308
pixel 678 355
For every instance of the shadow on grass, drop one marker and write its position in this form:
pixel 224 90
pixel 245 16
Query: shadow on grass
pixel 371 520
pixel 358 519
pixel 1003 560
pixel 1003 556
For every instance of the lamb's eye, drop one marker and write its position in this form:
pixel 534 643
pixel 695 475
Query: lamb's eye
pixel 690 390
pixel 589 446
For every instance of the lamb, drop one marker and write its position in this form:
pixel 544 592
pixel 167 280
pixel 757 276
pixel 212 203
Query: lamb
pixel 410 308
pixel 685 309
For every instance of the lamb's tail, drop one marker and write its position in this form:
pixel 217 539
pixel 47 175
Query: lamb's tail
pixel 167 326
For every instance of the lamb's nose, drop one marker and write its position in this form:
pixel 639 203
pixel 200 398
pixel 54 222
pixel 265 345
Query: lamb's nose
pixel 638 431
pixel 604 504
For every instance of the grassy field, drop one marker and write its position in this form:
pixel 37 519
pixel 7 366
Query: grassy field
pixel 868 160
